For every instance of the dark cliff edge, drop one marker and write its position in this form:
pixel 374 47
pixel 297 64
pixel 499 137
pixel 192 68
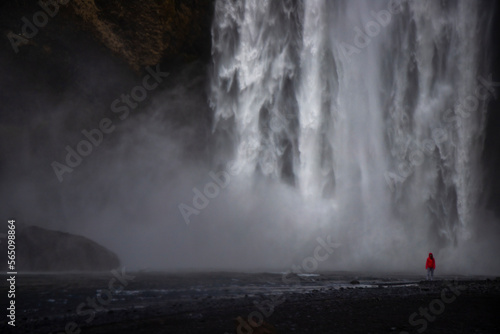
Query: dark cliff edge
pixel 139 32
pixel 62 66
pixel 92 51
pixel 63 77
pixel 491 153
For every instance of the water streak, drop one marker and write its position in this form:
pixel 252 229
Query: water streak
pixel 367 107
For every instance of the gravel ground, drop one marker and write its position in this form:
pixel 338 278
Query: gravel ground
pixel 253 303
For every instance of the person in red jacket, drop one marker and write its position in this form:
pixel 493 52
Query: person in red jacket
pixel 430 265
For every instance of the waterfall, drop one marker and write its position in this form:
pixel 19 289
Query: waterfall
pixel 375 109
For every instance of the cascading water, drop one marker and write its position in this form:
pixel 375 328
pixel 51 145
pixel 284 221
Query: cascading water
pixel 367 108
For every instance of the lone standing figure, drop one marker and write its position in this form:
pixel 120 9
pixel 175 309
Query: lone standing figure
pixel 430 265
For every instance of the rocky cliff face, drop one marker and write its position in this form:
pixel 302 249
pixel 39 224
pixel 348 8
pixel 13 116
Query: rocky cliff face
pixel 140 32
pixel 62 66
pixel 145 32
pixel 88 52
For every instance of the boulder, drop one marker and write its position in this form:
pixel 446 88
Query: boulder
pixel 40 249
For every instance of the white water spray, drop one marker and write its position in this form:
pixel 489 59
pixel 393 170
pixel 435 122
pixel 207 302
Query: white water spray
pixel 368 109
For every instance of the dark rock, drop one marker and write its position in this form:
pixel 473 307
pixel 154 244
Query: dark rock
pixel 40 249
pixel 144 32
pixel 355 282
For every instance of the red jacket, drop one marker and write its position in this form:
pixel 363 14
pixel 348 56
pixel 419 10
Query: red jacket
pixel 431 262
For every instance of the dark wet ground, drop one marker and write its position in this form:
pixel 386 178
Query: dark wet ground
pixel 253 303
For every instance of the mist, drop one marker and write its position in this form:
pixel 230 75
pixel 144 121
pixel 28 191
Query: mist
pixel 304 143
